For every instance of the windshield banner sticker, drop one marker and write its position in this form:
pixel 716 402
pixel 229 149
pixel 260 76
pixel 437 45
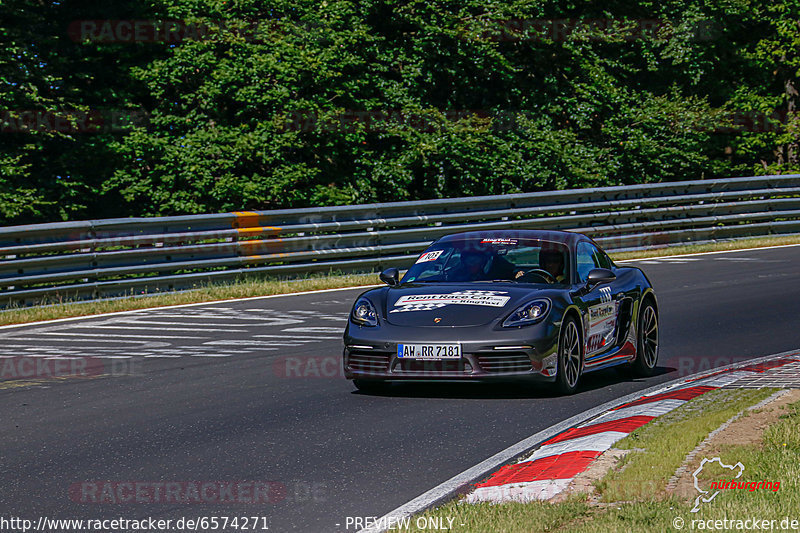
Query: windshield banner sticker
pixel 428 302
pixel 501 241
pixel 429 256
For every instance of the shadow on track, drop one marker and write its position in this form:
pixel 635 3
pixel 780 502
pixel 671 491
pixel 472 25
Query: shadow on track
pixel 506 390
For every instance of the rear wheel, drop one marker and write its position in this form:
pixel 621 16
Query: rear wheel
pixel 646 340
pixel 569 357
pixel 370 385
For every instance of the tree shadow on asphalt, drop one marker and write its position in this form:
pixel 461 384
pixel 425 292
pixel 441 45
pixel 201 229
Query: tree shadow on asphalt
pixel 511 389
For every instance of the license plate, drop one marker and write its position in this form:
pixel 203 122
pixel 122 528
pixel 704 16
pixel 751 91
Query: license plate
pixel 432 352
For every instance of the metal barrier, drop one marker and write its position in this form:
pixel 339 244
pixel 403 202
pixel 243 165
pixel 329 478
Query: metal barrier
pixel 97 258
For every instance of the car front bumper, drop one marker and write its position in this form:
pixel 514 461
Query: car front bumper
pixel 486 354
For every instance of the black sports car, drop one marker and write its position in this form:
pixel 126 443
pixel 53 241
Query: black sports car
pixel 484 305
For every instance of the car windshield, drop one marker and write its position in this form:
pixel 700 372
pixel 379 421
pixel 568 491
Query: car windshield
pixel 492 259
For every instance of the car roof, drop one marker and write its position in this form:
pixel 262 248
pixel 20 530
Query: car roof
pixel 567 237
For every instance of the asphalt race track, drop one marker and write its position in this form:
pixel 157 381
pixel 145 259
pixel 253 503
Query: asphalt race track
pixel 250 391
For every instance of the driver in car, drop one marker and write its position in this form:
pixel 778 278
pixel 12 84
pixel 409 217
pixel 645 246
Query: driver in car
pixel 553 262
pixel 480 266
pixel 550 262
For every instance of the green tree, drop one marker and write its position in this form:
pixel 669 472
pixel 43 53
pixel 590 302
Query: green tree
pixel 294 103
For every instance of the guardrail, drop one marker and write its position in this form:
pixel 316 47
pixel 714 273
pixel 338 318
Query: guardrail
pixel 97 258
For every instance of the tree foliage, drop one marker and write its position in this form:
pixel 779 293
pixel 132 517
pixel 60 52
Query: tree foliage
pixel 292 103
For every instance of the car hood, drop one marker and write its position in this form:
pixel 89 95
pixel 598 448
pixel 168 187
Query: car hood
pixel 455 305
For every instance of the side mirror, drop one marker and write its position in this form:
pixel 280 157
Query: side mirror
pixel 391 276
pixel 600 275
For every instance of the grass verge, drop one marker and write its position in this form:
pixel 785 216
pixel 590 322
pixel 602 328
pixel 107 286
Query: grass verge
pixel 632 495
pixel 719 246
pixel 246 288
pixel 776 459
pixel 659 448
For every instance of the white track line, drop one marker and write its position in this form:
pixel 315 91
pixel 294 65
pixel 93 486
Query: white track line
pixel 740 250
pixel 123 326
pixel 248 342
pixel 86 339
pixel 134 336
pixel 297 337
pixel 136 322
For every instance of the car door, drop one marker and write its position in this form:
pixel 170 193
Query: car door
pixel 600 304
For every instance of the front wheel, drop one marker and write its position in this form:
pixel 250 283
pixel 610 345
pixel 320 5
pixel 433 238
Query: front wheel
pixel 569 357
pixel 646 341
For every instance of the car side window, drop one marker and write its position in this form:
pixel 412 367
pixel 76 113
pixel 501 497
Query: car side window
pixel 587 258
pixel 602 259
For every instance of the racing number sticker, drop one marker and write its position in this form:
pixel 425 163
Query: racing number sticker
pixel 429 256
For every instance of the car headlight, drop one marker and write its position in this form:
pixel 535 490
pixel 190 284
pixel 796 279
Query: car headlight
pixel 530 313
pixel 364 313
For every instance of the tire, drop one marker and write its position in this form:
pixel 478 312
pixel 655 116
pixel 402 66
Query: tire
pixel 370 385
pixel 646 340
pixel 569 357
